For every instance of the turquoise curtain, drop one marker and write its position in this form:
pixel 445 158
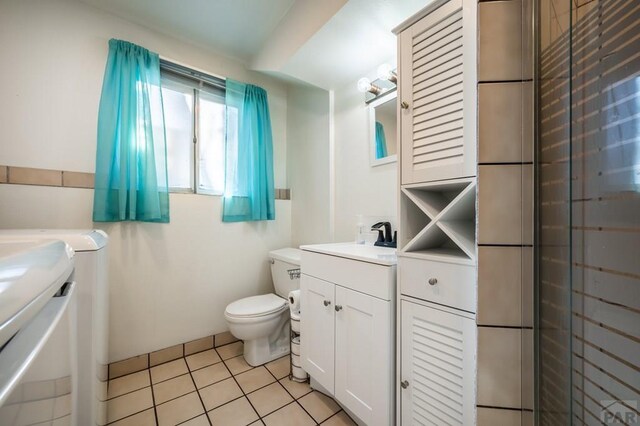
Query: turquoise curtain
pixel 381 141
pixel 131 161
pixel 249 190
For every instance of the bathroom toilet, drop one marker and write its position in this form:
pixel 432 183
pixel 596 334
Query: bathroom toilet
pixel 262 322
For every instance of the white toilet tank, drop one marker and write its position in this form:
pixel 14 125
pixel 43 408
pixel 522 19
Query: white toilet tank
pixel 285 270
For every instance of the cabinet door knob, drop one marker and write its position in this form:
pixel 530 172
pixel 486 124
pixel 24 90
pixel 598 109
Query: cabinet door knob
pixel 404 105
pixel 327 302
pixel 404 384
pixel 338 308
pixel 433 281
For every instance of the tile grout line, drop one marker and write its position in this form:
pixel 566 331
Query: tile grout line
pixel 238 384
pixel 153 397
pixel 196 388
pixel 294 398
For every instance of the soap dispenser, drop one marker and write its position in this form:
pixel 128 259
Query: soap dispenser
pixel 360 231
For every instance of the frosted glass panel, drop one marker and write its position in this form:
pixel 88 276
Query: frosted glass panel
pixel 178 114
pixel 211 133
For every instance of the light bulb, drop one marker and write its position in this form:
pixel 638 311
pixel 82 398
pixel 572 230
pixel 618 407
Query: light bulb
pixel 364 84
pixel 386 72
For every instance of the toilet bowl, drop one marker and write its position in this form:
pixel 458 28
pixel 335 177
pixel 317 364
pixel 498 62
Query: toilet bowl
pixel 262 322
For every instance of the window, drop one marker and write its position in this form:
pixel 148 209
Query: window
pixel 194 116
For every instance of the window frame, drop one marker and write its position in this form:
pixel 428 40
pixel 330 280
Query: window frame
pixel 197 81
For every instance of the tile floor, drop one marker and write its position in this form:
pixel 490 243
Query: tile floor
pixel 217 387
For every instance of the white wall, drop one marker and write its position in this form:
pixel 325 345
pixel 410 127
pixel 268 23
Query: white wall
pixel 360 188
pixel 308 164
pixel 169 283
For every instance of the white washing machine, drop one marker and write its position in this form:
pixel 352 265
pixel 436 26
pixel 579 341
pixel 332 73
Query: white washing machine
pixel 91 276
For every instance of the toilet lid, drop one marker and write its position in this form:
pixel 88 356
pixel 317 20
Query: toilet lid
pixel 256 306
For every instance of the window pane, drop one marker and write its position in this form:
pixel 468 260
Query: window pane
pixel 178 115
pixel 211 133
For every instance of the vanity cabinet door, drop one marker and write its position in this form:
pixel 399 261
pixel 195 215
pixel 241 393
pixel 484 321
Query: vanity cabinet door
pixel 317 329
pixel 437 94
pixel 438 366
pixel 364 356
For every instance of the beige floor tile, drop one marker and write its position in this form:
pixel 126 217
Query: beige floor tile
pixel 320 406
pixel 225 338
pixel 146 418
pixel 220 393
pixel 198 421
pixel 340 419
pixel 254 379
pixel 296 389
pixel 230 350
pixel 179 410
pixel 173 388
pixel 235 413
pixel 128 383
pixel 237 365
pixel 289 415
pixel 211 374
pixel 169 370
pixel 269 399
pixel 131 403
pixel 202 359
pixel 280 367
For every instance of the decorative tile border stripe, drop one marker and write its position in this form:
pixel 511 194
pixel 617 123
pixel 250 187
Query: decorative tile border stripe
pixel 68 179
pixel 148 360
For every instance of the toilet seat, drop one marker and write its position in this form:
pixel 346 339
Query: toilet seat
pixel 256 306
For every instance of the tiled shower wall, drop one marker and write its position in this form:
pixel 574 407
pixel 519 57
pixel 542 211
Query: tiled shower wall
pixel 505 213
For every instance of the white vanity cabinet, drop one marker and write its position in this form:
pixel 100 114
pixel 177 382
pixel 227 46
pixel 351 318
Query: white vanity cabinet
pixel 347 329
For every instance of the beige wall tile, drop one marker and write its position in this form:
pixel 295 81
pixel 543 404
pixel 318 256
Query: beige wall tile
pixel 499 367
pixel 500 286
pixel 498 417
pixel 224 338
pixel 527 287
pixel 179 410
pixel 198 345
pixel 3 174
pixel 500 40
pixel 129 365
pixel 29 176
pixel 77 179
pixel 527 204
pixel 527 369
pixel 500 204
pixel 505 133
pixel 165 355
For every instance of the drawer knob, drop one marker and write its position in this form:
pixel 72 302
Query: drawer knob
pixel 404 384
pixel 338 308
pixel 433 281
pixel 327 302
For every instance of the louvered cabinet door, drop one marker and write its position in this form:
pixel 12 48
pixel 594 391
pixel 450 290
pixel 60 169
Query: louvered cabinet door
pixel 437 367
pixel 438 94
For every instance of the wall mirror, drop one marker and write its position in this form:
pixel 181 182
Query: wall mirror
pixel 383 129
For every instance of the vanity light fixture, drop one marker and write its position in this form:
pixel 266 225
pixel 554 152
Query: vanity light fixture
pixel 386 72
pixel 365 85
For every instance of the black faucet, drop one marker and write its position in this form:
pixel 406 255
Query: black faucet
pixel 384 238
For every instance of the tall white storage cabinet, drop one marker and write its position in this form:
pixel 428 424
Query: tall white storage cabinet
pixel 347 326
pixel 437 244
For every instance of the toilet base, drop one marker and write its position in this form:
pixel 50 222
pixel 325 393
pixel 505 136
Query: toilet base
pixel 260 351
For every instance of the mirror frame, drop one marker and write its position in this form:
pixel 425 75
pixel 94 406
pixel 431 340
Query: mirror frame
pixel 372 130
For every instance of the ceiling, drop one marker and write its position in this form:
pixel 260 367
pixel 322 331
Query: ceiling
pixel 326 43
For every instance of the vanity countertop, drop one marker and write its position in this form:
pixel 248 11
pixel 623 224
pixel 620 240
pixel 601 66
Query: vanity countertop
pixel 363 252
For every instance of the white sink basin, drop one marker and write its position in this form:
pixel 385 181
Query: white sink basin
pixel 363 252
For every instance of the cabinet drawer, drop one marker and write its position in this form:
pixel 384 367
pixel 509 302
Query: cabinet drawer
pixel 448 284
pixel 368 278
